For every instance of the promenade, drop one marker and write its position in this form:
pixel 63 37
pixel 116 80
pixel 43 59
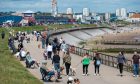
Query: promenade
pixel 108 75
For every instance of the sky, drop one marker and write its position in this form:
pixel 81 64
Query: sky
pixel 101 6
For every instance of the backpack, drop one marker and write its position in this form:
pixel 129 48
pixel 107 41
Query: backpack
pixel 98 62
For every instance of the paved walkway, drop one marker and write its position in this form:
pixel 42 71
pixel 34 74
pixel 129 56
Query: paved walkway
pixel 108 75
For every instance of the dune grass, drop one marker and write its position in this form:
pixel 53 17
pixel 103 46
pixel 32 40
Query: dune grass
pixel 11 70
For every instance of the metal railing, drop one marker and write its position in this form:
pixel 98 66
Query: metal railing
pixel 105 59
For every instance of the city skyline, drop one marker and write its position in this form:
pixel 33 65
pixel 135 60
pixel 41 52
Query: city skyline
pixel 101 6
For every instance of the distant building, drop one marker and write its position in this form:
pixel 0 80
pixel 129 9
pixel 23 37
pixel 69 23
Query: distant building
pixel 28 13
pixel 69 11
pixel 107 16
pixel 86 11
pixel 99 18
pixel 52 20
pixel 131 14
pixel 118 12
pixel 123 13
pixel 134 18
pixel 93 14
pixel 17 13
pixel 78 16
pixel 14 19
pixel 29 17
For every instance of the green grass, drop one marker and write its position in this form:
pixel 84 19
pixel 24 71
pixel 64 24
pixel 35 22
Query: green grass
pixel 58 26
pixel 51 26
pixel 29 28
pixel 11 70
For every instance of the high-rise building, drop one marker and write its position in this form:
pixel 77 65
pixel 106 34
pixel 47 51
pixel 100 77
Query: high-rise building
pixel 86 11
pixel 54 9
pixel 123 13
pixel 118 12
pixel 69 11
pixel 107 16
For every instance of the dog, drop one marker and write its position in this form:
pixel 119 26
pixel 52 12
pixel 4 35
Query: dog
pixel 62 70
pixel 72 71
pixel 70 80
pixel 39 45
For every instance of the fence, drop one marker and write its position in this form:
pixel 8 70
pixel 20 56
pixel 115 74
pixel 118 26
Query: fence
pixel 105 59
pixel 121 42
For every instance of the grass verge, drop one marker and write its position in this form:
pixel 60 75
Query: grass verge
pixel 11 70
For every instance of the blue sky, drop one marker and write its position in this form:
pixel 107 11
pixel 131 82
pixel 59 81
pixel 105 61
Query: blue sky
pixel 77 5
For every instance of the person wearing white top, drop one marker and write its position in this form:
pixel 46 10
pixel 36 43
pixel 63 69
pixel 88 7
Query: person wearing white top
pixel 22 54
pixel 49 50
pixel 61 40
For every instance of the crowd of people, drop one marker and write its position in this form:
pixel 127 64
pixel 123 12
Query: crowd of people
pixel 52 52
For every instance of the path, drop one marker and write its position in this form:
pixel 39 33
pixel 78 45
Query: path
pixel 109 75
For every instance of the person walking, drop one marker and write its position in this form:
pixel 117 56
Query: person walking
pixel 56 62
pixel 64 49
pixel 67 62
pixel 49 50
pixel 97 62
pixel 43 42
pixel 121 60
pixel 85 63
pixel 136 62
pixel 3 35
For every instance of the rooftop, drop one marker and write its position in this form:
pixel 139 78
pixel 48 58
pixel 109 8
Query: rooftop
pixel 135 16
pixel 28 11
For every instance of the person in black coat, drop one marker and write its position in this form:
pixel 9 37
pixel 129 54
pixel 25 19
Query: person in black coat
pixel 3 35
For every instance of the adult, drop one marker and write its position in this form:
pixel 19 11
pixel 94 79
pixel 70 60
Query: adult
pixel 49 50
pixel 121 60
pixel 30 61
pixel 136 59
pixel 64 48
pixel 11 44
pixel 85 63
pixel 22 54
pixel 45 71
pixel 3 35
pixel 67 61
pixel 43 40
pixel 54 44
pixel 20 46
pixel 47 37
pixel 97 62
pixel 56 62
pixel 61 40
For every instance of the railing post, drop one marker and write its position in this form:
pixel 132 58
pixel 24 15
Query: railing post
pixel 108 61
pixel 112 62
